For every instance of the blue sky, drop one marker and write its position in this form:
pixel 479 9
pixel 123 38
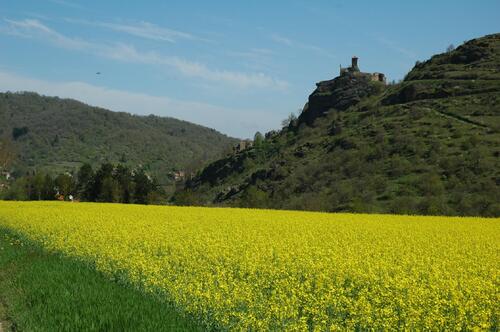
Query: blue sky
pixel 234 66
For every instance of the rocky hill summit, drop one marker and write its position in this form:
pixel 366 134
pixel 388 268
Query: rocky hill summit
pixel 471 69
pixel 428 145
pixel 342 92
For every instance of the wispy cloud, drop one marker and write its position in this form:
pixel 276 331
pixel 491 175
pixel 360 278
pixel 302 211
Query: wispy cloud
pixel 67 3
pixel 254 53
pixel 395 47
pixel 33 28
pixel 235 122
pixel 296 44
pixel 36 15
pixel 141 29
pixel 127 53
pixel 282 40
pixel 259 59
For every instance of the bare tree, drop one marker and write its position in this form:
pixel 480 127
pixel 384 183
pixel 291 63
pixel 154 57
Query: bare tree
pixel 450 48
pixel 290 119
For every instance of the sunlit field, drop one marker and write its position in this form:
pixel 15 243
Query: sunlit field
pixel 265 270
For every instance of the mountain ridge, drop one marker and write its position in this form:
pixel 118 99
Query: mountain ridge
pixel 56 134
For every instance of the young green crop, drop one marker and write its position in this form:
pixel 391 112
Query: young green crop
pixel 40 291
pixel 284 270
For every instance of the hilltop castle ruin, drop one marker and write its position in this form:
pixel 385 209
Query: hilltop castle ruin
pixel 354 69
pixel 340 93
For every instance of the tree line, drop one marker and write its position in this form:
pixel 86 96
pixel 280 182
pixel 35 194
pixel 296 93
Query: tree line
pixel 108 183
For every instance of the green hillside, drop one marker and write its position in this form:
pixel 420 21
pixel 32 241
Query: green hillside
pixel 56 135
pixel 430 144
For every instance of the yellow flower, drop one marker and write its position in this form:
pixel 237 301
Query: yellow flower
pixel 243 269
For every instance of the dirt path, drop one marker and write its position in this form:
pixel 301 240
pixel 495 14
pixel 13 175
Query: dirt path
pixel 462 119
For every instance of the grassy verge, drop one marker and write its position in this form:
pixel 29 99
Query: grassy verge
pixel 40 291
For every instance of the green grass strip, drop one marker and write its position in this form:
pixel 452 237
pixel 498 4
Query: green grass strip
pixel 41 291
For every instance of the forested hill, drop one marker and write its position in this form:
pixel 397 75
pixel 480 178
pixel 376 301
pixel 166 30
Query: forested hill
pixel 428 145
pixel 55 135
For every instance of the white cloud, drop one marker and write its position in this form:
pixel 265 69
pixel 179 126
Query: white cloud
pixel 127 53
pixel 66 3
pixel 255 59
pixel 31 28
pixel 253 54
pixel 142 29
pixel 296 44
pixel 395 47
pixel 235 122
pixel 282 40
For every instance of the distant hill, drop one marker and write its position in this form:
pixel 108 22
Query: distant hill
pixel 55 135
pixel 428 145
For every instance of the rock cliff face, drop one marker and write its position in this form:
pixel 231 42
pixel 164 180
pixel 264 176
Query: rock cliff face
pixel 338 94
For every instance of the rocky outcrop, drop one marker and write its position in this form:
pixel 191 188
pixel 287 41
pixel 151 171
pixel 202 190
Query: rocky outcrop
pixel 219 169
pixel 340 93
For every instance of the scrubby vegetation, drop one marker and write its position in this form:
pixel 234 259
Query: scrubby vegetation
pixel 108 183
pixel 56 135
pixel 428 145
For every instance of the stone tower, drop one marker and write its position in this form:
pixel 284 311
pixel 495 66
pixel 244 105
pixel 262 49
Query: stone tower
pixel 354 63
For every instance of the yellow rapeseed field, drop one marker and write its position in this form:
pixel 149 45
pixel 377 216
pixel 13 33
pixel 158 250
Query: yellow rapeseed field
pixel 282 270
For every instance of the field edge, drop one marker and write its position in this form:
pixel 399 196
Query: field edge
pixel 47 291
